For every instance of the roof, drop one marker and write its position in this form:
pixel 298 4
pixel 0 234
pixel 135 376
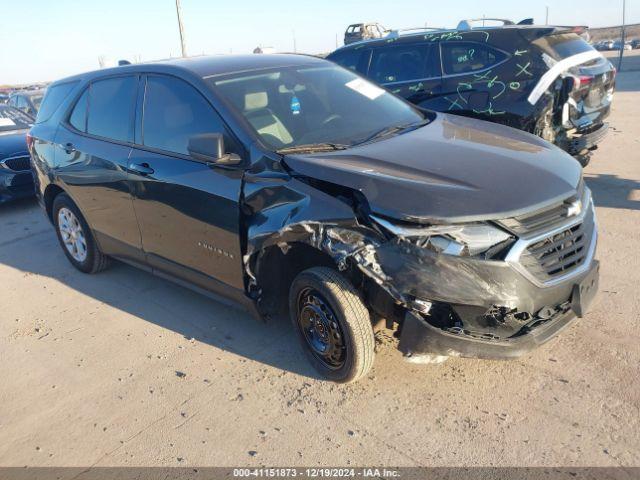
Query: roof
pixel 421 32
pixel 208 65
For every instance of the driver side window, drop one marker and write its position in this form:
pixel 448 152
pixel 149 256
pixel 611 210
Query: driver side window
pixel 173 112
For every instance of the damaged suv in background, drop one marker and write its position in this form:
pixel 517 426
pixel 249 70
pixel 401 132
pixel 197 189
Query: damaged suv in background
pixel 294 186
pixel 542 79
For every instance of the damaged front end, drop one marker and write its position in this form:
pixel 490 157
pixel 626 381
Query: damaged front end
pixel 476 289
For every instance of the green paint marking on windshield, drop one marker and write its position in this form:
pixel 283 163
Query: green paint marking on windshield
pixel 520 52
pixel 514 85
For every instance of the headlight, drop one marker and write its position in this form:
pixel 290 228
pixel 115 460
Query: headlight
pixel 461 240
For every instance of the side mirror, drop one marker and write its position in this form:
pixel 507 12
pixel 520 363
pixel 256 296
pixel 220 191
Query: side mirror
pixel 209 148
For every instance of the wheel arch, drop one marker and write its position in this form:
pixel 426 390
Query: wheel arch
pixel 275 267
pixel 50 193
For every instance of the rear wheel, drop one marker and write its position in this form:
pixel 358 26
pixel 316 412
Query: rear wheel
pixel 75 236
pixel 332 323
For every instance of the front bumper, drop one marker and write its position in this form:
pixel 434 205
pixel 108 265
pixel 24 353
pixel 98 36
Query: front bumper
pixel 421 339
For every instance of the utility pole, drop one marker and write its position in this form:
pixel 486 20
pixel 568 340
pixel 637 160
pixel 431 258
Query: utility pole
pixel 182 44
pixel 295 49
pixel 622 34
pixel 546 20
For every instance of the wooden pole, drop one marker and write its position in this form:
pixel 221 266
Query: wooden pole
pixel 180 27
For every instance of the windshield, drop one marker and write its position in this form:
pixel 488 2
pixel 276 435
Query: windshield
pixel 13 119
pixel 295 106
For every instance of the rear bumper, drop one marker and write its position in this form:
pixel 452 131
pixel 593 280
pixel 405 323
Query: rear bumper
pixel 587 141
pixel 421 339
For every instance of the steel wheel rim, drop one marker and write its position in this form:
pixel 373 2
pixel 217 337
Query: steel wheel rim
pixel 72 234
pixel 321 329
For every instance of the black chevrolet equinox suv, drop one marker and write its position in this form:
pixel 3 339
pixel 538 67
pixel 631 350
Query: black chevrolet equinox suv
pixel 290 184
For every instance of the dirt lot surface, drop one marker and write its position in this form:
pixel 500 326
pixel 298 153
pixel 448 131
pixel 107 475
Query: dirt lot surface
pixel 123 368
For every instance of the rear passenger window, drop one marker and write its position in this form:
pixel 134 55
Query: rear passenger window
pixel 403 63
pixel 78 118
pixel 173 112
pixel 465 57
pixel 54 96
pixel 111 104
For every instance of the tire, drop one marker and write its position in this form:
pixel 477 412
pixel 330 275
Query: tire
pixel 72 231
pixel 322 297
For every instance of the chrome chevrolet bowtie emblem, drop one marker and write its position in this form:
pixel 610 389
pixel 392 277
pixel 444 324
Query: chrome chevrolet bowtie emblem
pixel 574 208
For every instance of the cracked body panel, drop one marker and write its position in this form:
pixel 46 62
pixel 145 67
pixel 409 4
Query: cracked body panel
pixel 481 301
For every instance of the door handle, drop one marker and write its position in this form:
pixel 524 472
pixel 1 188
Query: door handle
pixel 68 147
pixel 141 168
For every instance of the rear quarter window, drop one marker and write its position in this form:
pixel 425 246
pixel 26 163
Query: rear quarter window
pixel 54 96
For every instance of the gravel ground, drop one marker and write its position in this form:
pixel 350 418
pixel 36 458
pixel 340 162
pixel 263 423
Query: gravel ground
pixel 123 368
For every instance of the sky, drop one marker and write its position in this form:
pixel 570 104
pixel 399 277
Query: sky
pixel 43 40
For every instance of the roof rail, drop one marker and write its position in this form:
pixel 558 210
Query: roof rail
pixel 467 24
pixel 410 31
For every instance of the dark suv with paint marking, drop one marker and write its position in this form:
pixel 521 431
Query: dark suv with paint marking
pixel 544 80
pixel 287 183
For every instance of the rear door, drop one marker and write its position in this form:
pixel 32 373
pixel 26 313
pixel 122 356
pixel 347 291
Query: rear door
pixel 92 152
pixel 411 70
pixel 474 82
pixel 188 211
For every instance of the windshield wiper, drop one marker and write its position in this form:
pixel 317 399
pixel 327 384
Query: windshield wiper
pixel 394 129
pixel 312 147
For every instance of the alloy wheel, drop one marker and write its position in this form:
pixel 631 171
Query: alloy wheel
pixel 72 234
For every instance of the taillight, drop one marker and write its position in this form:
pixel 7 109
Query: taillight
pixel 584 81
pixel 29 141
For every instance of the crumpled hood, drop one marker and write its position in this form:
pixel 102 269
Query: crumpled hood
pixel 454 169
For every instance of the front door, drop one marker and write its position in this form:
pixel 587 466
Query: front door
pixel 188 211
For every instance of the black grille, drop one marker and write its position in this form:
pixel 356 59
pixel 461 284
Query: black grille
pixel 560 253
pixel 18 164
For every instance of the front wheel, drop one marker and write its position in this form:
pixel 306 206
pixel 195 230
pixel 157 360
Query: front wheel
pixel 332 323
